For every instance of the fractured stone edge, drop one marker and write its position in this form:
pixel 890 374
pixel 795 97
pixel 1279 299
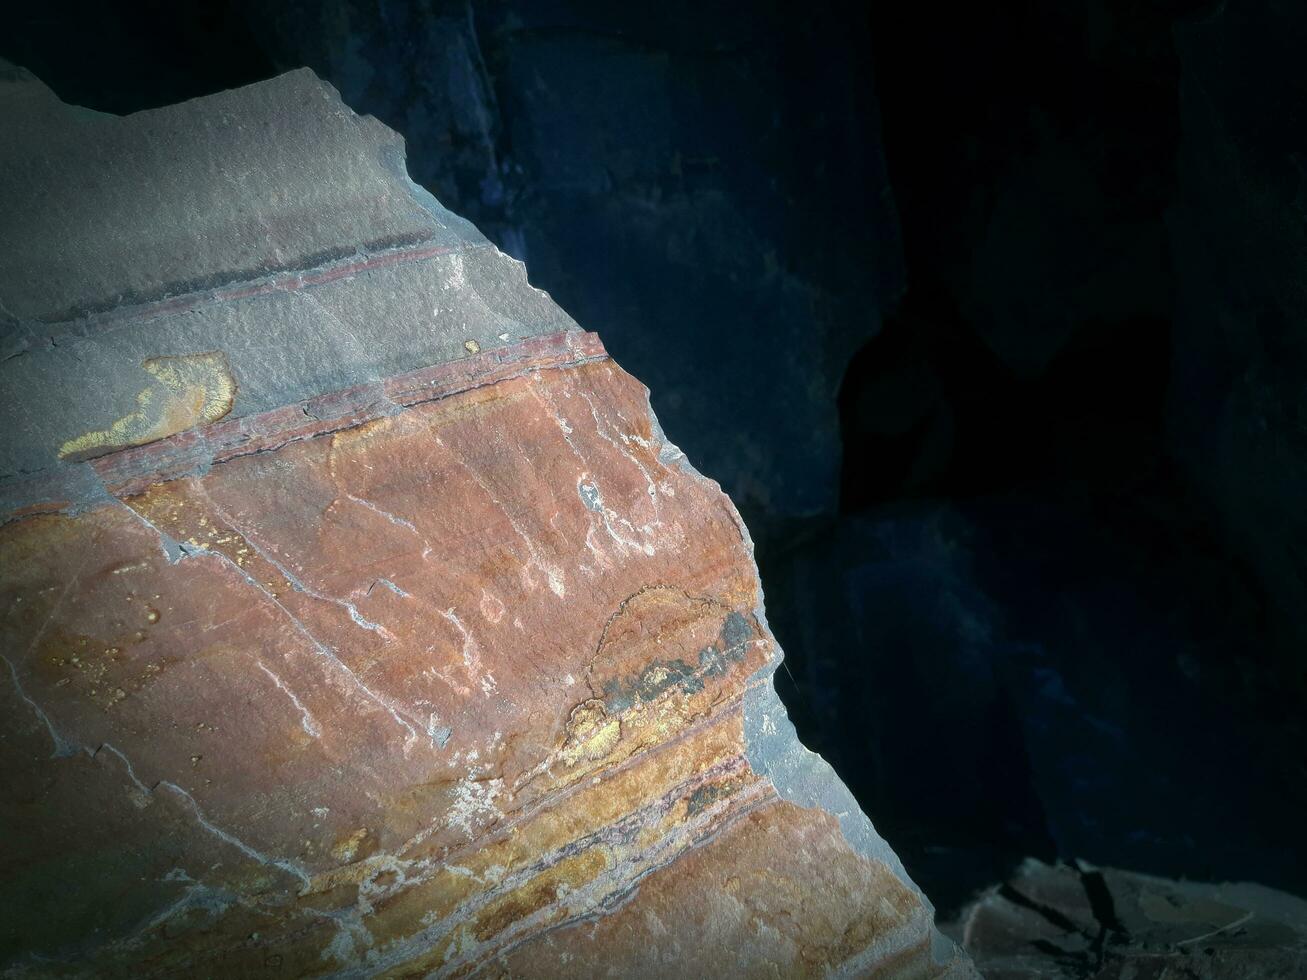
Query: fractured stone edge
pixel 801 776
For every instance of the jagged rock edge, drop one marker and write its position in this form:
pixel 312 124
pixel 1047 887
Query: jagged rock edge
pixel 772 745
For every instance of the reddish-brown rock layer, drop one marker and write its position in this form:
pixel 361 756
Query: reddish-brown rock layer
pixel 441 675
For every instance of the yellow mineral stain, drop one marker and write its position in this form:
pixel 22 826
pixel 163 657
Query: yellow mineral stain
pixel 428 962
pixel 404 913
pixel 541 891
pixel 165 506
pixel 347 849
pixel 188 390
pixel 591 733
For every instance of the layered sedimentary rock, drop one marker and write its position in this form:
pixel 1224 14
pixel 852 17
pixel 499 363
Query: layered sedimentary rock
pixel 359 617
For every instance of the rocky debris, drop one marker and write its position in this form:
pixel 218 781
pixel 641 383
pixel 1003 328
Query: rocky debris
pixel 387 634
pixel 1075 922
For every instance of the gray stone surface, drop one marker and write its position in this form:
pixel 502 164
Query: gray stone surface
pixel 269 223
pixel 102 210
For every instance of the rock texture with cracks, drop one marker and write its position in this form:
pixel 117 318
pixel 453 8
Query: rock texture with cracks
pixel 1078 922
pixel 437 660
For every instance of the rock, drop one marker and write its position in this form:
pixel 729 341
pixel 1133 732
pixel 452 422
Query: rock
pixel 383 632
pixel 1059 921
pixel 620 154
pixel 300 296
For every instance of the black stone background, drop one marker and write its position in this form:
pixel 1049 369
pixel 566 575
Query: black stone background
pixel 989 316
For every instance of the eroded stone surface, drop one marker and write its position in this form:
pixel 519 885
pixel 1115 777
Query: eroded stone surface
pixel 429 690
pixel 456 670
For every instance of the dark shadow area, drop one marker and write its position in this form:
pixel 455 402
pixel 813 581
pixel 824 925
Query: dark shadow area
pixel 124 57
pixel 1088 659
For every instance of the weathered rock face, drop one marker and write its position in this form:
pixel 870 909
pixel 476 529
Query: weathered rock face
pixel 372 627
pixel 1077 922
